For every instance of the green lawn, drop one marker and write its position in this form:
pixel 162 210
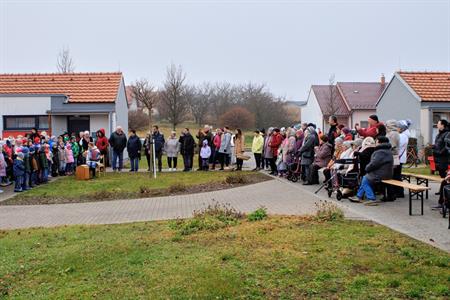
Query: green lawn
pixel 180 166
pixel 421 169
pixel 278 258
pixel 127 185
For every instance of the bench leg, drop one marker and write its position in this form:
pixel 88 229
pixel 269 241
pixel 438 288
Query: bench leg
pixel 420 182
pixel 421 202
pixel 410 203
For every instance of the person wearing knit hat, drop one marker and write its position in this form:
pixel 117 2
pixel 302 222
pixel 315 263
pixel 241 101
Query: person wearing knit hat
pixel 374 123
pixel 19 172
pixel 347 134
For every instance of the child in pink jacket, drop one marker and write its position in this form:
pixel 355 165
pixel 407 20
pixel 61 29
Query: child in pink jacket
pixel 69 158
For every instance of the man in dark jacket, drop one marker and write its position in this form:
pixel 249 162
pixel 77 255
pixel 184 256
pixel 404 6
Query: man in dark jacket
pixel 134 146
pixel 159 141
pixel 332 132
pixel 440 152
pixel 118 142
pixel 380 168
pixel 187 149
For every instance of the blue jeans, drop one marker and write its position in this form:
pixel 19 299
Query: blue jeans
pixel 18 183
pixel 187 160
pixel 26 180
pixel 34 179
pixel 117 155
pixel 134 164
pixel 44 175
pixel 366 188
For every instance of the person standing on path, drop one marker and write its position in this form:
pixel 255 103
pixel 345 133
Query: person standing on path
pixel 239 148
pixel 172 148
pixel 216 146
pixel 332 132
pixel 202 135
pixel 158 139
pixel 440 153
pixel 118 142
pixel 274 143
pixel 187 149
pixel 257 149
pixel 134 146
pixel 225 148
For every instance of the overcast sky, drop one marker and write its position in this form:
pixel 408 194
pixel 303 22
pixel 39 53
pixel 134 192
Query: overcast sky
pixel 288 44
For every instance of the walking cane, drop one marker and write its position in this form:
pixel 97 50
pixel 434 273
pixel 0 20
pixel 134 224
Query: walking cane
pixel 154 159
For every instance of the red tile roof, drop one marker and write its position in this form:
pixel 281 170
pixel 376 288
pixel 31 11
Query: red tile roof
pixel 79 87
pixel 322 93
pixel 361 95
pixel 430 86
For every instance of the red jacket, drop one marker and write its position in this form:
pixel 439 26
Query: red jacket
pixel 348 137
pixel 217 141
pixel 275 141
pixel 371 131
pixel 102 142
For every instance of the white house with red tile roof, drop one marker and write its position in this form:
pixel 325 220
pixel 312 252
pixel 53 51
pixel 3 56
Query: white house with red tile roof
pixel 422 97
pixel 353 102
pixel 59 103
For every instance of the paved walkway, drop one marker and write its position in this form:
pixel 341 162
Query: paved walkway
pixel 279 196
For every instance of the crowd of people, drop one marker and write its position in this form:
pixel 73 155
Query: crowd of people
pixel 371 154
pixel 376 152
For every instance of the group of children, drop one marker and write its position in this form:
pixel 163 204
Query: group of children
pixel 30 161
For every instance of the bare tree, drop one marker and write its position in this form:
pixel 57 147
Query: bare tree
pixel 175 97
pixel 64 62
pixel 145 95
pixel 332 97
pixel 200 102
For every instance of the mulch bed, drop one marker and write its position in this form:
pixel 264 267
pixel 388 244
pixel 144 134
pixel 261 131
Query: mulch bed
pixel 142 193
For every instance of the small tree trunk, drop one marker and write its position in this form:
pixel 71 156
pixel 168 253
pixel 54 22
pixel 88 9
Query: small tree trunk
pixel 150 121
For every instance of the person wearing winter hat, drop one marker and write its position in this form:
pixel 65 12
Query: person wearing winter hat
pixel 347 134
pixel 374 123
pixel 205 153
pixel 19 172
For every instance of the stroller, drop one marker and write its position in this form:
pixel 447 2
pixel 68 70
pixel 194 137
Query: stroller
pixel 294 170
pixel 344 185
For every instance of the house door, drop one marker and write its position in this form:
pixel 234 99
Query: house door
pixel 75 124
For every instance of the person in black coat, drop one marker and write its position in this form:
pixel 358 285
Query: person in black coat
pixel 440 152
pixel 187 149
pixel 332 132
pixel 158 139
pixel 134 147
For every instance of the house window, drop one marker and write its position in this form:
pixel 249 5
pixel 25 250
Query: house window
pixel 364 124
pixel 25 122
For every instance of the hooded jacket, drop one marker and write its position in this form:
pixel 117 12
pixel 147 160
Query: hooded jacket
pixel 307 150
pixel 381 164
pixel 102 142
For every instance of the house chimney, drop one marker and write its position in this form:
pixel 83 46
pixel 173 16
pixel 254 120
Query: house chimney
pixel 383 79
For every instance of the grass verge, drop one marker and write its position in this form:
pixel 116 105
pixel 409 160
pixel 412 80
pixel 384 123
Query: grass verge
pixel 112 186
pixel 275 258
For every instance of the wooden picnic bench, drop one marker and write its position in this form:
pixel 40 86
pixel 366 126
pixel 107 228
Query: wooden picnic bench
pixel 413 190
pixel 421 179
